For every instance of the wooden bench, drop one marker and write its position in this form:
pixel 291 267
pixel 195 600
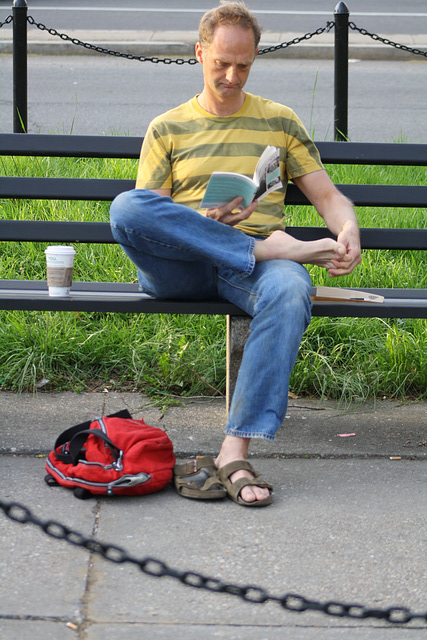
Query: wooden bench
pixel 125 297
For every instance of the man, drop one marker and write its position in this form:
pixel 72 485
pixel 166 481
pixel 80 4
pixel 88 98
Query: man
pixel 241 254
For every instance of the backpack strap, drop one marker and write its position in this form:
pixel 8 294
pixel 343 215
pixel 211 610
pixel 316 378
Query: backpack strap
pixel 76 437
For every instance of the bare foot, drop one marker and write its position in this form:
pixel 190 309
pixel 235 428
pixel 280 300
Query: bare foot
pixel 232 449
pixel 281 245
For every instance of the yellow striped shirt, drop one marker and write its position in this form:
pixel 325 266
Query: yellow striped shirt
pixel 185 145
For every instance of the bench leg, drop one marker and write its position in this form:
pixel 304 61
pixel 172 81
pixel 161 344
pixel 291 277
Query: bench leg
pixel 238 330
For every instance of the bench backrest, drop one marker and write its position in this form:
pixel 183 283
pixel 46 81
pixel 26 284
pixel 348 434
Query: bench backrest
pixel 129 147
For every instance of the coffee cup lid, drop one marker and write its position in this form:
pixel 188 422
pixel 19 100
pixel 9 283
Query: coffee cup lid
pixel 61 249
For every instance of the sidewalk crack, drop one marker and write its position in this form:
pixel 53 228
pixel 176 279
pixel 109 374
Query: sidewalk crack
pixel 90 579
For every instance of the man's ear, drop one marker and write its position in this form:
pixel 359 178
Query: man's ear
pixel 199 52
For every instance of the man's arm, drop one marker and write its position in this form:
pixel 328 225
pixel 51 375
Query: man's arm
pixel 338 214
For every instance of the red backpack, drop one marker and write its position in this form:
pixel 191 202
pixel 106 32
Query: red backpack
pixel 115 455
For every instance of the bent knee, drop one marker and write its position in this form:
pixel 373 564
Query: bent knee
pixel 129 206
pixel 119 206
pixel 290 292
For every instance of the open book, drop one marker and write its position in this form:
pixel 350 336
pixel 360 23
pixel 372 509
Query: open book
pixel 346 295
pixel 224 186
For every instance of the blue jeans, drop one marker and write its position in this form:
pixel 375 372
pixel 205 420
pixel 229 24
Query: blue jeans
pixel 181 254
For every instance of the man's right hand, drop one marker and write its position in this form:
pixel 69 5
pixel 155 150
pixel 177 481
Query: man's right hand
pixel 232 213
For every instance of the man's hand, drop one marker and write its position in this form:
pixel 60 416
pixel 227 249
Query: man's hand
pixel 232 213
pixel 349 237
pixel 338 213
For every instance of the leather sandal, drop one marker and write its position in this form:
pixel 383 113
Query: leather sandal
pixel 234 488
pixel 198 479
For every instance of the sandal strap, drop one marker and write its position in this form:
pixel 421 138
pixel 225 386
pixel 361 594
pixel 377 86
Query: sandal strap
pixel 246 482
pixel 211 482
pixel 193 466
pixel 238 465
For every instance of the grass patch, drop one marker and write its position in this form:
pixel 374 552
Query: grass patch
pixel 342 358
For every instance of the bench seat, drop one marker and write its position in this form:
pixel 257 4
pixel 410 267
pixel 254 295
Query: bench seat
pixel 126 298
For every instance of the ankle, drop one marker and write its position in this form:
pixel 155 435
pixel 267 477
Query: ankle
pixel 233 448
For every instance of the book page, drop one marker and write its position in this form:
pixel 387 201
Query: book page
pixel 267 172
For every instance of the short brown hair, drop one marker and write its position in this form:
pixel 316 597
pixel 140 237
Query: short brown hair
pixel 228 13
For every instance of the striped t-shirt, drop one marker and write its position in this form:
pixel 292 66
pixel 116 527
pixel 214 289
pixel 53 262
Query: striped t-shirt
pixel 185 145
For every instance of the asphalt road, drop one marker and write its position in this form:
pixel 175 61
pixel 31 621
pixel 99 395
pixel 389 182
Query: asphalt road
pixel 383 16
pixel 102 94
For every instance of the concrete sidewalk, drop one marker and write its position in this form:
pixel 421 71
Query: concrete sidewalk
pixel 181 44
pixel 347 524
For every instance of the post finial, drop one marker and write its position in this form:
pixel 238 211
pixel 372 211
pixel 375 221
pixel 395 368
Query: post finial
pixel 342 8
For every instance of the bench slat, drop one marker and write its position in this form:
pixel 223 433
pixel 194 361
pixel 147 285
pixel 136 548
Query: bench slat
pixel 108 189
pixel 373 153
pixel 100 233
pixel 69 146
pixel 34 144
pixel 63 188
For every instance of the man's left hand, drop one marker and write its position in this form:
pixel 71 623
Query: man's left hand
pixel 349 237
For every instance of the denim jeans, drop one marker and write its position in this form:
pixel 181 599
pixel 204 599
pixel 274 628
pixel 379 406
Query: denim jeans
pixel 181 254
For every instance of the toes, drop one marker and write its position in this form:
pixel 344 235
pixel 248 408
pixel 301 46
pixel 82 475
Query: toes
pixel 253 493
pixel 248 495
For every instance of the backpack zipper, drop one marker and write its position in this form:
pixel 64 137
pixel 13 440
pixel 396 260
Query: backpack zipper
pixel 117 465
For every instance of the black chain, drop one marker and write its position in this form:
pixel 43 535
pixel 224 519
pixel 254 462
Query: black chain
pixel 249 593
pixel 180 61
pixel 130 56
pixel 117 54
pixel 307 36
pixel 378 38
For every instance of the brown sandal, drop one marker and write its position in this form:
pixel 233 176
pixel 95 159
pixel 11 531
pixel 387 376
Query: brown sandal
pixel 234 488
pixel 198 479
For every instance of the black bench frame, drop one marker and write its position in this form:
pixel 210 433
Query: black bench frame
pixel 125 297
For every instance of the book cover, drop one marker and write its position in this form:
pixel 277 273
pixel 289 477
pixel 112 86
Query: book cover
pixel 346 295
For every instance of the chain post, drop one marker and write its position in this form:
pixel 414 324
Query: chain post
pixel 20 10
pixel 341 72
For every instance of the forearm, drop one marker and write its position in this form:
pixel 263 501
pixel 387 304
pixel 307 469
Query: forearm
pixel 338 213
pixel 336 210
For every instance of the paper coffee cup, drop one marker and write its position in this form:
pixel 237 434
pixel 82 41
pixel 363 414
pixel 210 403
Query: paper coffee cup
pixel 59 265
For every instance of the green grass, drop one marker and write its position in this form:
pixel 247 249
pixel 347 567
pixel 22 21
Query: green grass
pixel 342 358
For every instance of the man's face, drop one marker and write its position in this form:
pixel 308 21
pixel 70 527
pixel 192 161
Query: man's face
pixel 227 61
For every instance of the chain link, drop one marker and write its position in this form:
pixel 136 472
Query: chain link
pixel 307 36
pixel 7 21
pixel 378 38
pixel 159 569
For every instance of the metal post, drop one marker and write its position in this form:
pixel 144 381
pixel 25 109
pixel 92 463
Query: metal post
pixel 341 71
pixel 20 10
